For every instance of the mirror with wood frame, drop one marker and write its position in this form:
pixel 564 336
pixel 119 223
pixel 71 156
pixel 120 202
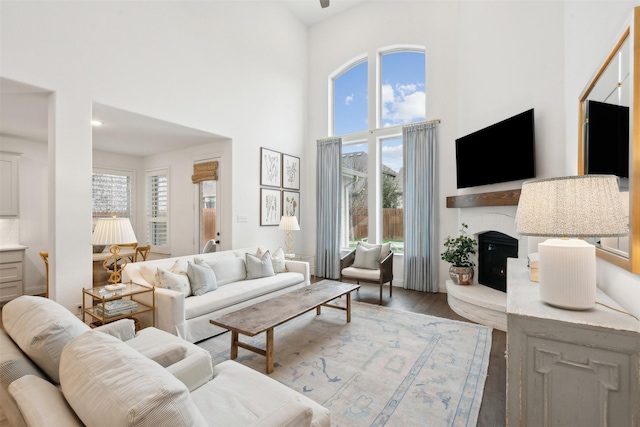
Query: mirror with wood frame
pixel 609 143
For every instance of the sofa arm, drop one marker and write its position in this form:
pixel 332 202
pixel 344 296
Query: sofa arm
pixel 170 315
pixel 194 371
pixel 123 329
pixel 291 413
pixel 41 403
pixel 299 267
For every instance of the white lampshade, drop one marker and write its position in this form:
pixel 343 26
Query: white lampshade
pixel 113 231
pixel 289 223
pixel 572 206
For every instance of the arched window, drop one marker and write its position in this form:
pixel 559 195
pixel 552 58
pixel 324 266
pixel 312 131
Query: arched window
pixel 372 203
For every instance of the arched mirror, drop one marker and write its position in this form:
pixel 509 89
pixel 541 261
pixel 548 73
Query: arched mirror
pixel 610 143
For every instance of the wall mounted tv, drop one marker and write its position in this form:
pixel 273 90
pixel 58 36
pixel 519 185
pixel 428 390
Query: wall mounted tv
pixel 501 152
pixel 607 139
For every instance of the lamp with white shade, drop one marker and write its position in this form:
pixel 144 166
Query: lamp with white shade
pixel 289 223
pixel 113 232
pixel 573 206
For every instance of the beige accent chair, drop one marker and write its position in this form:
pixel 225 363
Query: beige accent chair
pixel 369 263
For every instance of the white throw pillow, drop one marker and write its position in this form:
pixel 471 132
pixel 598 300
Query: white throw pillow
pixel 368 258
pixel 175 278
pixel 107 382
pixel 277 259
pixel 385 248
pixel 259 267
pixel 201 277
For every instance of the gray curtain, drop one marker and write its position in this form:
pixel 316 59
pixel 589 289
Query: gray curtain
pixel 328 199
pixel 420 247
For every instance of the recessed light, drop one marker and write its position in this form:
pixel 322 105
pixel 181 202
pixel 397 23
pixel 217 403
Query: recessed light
pixel 96 122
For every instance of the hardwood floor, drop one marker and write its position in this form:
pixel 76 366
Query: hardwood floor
pixel 493 409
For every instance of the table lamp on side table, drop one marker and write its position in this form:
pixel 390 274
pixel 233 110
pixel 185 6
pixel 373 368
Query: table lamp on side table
pixel 289 223
pixel 571 206
pixel 113 232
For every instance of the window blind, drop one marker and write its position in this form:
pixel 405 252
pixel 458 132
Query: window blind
pixel 157 207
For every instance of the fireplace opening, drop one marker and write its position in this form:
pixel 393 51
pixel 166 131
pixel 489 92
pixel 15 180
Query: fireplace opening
pixel 493 250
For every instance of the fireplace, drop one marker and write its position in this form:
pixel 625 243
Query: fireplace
pixel 493 250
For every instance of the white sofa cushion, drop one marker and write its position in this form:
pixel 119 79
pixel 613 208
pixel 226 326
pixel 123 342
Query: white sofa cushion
pixel 253 396
pixel 41 403
pixel 227 270
pixel 201 277
pixel 103 378
pixel 259 267
pixel 235 293
pixel 41 327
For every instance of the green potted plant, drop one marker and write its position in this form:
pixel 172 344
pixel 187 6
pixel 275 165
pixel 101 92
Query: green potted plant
pixel 457 253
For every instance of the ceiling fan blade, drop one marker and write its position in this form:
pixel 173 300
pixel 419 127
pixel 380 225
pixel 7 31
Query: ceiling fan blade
pixel 324 3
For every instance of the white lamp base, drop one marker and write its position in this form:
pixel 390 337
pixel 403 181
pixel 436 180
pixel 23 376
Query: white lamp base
pixel 568 273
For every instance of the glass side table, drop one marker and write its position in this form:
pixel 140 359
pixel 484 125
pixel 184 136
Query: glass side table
pixel 119 300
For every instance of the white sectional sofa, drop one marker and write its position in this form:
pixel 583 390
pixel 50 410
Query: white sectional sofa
pixel 180 312
pixel 56 371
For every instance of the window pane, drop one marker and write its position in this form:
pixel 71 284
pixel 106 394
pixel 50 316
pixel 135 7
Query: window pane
pixel 392 191
pixel 350 100
pixel 403 88
pixel 157 207
pixel 355 218
pixel 111 195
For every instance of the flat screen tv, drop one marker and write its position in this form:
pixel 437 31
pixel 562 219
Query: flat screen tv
pixel 501 152
pixel 607 139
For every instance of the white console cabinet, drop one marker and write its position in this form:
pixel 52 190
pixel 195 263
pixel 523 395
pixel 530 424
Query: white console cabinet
pixel 569 368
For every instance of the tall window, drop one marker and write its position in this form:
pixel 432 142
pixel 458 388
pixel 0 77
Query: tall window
pixel 372 155
pixel 112 193
pixel 157 207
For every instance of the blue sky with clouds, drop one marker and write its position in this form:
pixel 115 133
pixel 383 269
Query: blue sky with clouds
pixel 402 95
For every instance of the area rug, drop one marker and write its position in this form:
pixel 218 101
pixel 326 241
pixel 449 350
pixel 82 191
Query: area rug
pixel 385 368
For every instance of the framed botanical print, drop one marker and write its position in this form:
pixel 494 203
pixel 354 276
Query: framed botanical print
pixel 290 172
pixel 270 168
pixel 270 206
pixel 291 204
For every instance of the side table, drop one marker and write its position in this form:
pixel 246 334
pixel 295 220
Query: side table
pixel 100 295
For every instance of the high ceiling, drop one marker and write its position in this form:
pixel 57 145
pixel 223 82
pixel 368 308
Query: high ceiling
pixel 24 109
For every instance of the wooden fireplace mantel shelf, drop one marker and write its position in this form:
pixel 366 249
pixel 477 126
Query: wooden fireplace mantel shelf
pixel 495 198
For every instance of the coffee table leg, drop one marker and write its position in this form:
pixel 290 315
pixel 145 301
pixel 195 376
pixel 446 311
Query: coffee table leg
pixel 269 350
pixel 234 345
pixel 348 307
pixel 318 310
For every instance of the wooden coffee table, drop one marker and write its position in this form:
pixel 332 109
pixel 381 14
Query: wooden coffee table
pixel 266 315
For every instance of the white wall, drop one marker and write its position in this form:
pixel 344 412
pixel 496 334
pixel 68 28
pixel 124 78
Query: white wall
pixel 230 68
pixel 486 61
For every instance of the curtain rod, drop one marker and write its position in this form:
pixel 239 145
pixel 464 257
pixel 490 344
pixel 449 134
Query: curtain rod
pixel 388 127
pixel 405 124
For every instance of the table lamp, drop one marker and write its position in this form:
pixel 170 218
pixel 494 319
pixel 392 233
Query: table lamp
pixel 572 206
pixel 289 223
pixel 113 232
